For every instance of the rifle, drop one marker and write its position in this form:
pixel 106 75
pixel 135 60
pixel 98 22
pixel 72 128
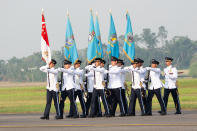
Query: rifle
pixel 61 81
pixel 147 78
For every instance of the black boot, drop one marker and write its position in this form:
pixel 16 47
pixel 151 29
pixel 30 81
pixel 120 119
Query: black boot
pixel 44 117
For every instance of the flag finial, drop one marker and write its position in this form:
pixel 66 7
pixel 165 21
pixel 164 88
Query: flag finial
pixel 67 12
pixel 110 11
pixel 127 12
pixel 42 11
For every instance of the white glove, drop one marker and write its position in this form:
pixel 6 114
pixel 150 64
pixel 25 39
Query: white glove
pixel 148 68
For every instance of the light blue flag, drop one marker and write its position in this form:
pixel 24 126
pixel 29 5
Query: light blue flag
pixel 92 42
pixel 70 49
pixel 129 44
pixel 112 47
pixel 98 36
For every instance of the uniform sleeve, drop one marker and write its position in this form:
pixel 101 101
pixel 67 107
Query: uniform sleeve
pixel 102 70
pixel 78 72
pixel 156 70
pixel 53 71
pixel 44 68
pixel 141 71
pixel 89 74
pixel 115 71
pixel 69 71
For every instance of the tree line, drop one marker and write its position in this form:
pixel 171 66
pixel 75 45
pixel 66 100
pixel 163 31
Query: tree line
pixel 148 45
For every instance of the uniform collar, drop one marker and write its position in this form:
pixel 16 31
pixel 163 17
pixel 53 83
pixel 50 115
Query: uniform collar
pixel 169 66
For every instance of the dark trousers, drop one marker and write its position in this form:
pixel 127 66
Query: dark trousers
pixel 175 97
pixel 51 95
pixel 136 93
pixel 117 99
pixel 79 94
pixel 73 107
pixel 144 97
pixel 95 96
pixel 151 93
pixel 124 100
pixel 88 103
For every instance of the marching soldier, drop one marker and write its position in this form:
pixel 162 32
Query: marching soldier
pixel 52 91
pixel 142 71
pixel 171 76
pixel 135 90
pixel 123 92
pixel 90 87
pixel 155 88
pixel 79 87
pixel 68 89
pixel 115 84
pixel 98 90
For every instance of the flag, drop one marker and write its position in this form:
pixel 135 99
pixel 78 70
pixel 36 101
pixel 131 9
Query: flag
pixel 129 44
pixel 70 49
pixel 45 49
pixel 98 36
pixel 92 42
pixel 112 47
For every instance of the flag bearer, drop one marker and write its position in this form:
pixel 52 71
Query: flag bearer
pixel 155 88
pixel 115 84
pixel 142 71
pixel 79 86
pixel 52 91
pixel 171 76
pixel 68 90
pixel 135 90
pixel 98 90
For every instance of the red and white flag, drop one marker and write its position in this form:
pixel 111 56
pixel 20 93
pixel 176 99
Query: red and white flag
pixel 46 53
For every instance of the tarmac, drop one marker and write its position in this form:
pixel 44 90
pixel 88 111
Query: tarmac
pixel 187 121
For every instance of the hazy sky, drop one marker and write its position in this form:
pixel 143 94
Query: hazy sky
pixel 20 23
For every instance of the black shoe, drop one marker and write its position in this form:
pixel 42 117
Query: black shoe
pixel 82 116
pixel 178 112
pixel 91 116
pixel 58 117
pixel 107 115
pixel 148 114
pixel 99 115
pixel 143 114
pixel 130 114
pixel 122 115
pixel 69 116
pixel 75 116
pixel 163 113
pixel 159 112
pixel 44 117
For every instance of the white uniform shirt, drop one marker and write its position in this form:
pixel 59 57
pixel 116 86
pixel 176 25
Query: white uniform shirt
pixel 90 76
pixel 51 77
pixel 142 72
pixel 155 78
pixel 135 78
pixel 171 76
pixel 78 79
pixel 99 77
pixel 68 78
pixel 115 80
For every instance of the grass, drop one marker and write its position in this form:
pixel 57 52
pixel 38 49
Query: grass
pixel 32 99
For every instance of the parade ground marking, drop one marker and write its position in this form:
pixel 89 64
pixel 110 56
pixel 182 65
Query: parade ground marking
pixel 97 125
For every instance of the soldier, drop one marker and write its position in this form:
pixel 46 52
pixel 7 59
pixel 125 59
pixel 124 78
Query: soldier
pixel 98 90
pixel 171 76
pixel 115 83
pixel 123 92
pixel 52 91
pixel 142 71
pixel 79 86
pixel 155 88
pixel 68 90
pixel 90 87
pixel 135 90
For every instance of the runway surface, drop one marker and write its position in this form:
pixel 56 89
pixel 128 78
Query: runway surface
pixel 31 122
